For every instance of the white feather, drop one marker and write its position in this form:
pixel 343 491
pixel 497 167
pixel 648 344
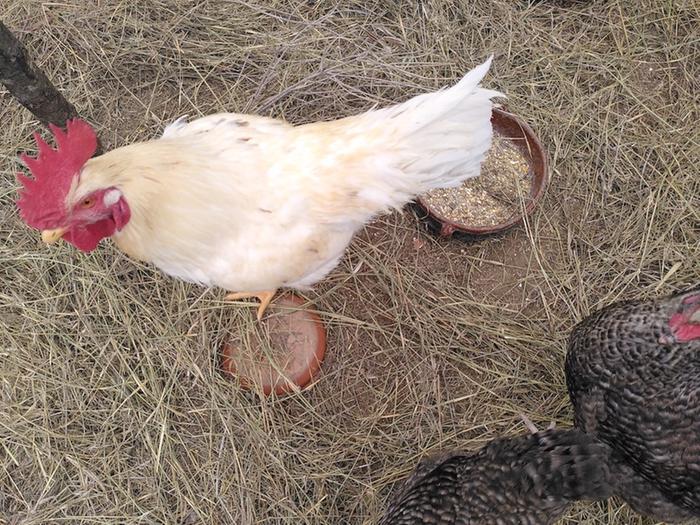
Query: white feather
pixel 250 203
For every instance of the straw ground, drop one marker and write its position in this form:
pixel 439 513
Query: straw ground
pixel 111 406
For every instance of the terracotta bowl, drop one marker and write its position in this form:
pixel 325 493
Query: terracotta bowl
pixel 284 352
pixel 524 139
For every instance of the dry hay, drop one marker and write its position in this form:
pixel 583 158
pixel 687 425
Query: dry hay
pixel 111 407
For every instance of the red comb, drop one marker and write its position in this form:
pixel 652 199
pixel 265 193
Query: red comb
pixel 42 199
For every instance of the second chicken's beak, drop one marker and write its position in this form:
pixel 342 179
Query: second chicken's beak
pixel 51 236
pixel 695 317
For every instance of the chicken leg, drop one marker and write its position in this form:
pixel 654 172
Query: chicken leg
pixel 264 297
pixel 531 426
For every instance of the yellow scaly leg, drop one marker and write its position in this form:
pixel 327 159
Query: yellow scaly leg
pixel 264 297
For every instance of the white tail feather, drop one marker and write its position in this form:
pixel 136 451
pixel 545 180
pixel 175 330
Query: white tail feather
pixel 431 141
pixel 445 134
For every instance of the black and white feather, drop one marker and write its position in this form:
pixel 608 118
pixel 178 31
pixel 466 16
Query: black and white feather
pixel 526 480
pixel 633 373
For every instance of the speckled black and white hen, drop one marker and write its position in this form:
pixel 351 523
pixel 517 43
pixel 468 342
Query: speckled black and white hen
pixel 633 373
pixel 526 480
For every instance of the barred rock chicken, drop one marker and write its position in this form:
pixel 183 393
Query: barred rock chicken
pixel 633 373
pixel 526 480
pixel 251 204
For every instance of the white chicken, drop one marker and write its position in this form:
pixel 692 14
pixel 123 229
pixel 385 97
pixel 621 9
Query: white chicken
pixel 252 204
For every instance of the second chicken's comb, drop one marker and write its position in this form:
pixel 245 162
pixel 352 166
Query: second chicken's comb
pixel 42 199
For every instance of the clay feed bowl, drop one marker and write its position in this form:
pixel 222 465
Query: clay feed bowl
pixel 520 135
pixel 283 353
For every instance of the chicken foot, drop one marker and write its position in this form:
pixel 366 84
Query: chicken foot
pixel 264 297
pixel 531 426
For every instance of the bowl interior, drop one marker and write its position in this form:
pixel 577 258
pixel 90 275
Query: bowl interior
pixel 283 353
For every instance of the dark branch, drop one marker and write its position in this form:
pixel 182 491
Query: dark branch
pixel 30 86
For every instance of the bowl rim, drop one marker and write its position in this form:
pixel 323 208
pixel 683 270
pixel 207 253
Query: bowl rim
pixel 304 378
pixel 448 227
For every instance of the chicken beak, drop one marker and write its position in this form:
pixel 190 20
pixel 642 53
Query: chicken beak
pixel 51 236
pixel 695 317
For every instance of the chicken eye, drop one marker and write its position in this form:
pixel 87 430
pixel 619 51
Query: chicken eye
pixel 87 202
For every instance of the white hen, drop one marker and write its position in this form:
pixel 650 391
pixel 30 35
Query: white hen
pixel 252 204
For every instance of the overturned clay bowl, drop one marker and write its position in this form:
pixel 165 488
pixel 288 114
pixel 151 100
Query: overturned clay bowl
pixel 282 354
pixel 521 147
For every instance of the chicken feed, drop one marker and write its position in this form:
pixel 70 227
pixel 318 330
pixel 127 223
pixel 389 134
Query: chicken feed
pixel 492 198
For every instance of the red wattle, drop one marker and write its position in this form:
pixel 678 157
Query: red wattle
pixel 87 237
